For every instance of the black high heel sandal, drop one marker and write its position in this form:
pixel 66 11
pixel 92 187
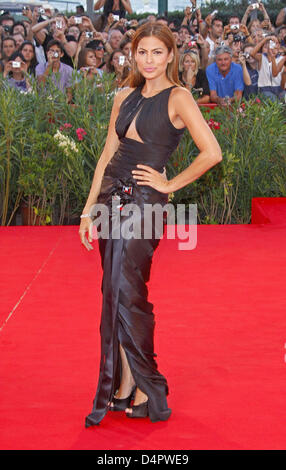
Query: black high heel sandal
pixel 139 411
pixel 120 404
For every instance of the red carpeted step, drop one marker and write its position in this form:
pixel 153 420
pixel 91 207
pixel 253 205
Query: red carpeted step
pixel 265 210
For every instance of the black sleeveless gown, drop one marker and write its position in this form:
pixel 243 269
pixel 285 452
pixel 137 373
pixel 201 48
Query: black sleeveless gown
pixel 127 317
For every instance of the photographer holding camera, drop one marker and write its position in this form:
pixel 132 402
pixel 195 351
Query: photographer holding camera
pixel 15 71
pixel 238 57
pixel 258 6
pixel 118 65
pixel 235 32
pixel 61 73
pixel 198 44
pixel 251 65
pixel 57 28
pixel 7 49
pixel 236 46
pixel 6 25
pixel 116 7
pixel 270 65
pixel 93 40
pixel 87 64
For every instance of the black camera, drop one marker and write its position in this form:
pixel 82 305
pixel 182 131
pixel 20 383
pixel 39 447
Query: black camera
pixel 238 38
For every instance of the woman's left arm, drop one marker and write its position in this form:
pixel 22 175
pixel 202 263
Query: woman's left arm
pixel 277 67
pixel 127 6
pixel 184 108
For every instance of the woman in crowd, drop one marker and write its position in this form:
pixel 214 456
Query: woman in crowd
pixel 238 57
pixel 116 7
pixel 255 23
pixel 27 48
pixel 252 66
pixel 99 50
pixel 236 46
pixel 95 42
pixel 15 71
pixel 87 64
pixel 125 47
pixel 118 65
pixel 269 68
pixel 193 77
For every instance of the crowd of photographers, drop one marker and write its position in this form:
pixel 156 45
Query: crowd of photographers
pixel 218 62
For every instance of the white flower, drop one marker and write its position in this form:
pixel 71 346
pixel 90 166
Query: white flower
pixel 65 143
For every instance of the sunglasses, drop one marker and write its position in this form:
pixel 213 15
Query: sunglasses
pixel 193 51
pixel 99 48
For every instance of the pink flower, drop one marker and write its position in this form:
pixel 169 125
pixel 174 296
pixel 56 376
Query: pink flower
pixel 257 100
pixel 67 125
pixel 80 133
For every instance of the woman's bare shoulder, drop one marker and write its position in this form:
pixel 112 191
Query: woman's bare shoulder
pixel 180 92
pixel 122 94
pixel 180 96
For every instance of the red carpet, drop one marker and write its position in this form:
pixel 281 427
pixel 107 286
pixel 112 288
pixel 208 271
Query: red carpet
pixel 220 340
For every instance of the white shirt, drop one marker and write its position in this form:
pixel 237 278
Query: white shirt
pixel 212 45
pixel 265 77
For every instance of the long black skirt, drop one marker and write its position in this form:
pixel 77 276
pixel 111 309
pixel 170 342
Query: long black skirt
pixel 127 317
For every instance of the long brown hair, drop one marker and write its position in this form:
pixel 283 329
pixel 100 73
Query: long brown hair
pixel 82 57
pixel 165 35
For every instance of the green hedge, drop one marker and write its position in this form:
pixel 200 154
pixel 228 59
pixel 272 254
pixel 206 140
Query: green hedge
pixel 49 149
pixel 252 138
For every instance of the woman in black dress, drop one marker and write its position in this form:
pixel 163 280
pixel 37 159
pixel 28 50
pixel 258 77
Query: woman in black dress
pixel 116 7
pixel 147 120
